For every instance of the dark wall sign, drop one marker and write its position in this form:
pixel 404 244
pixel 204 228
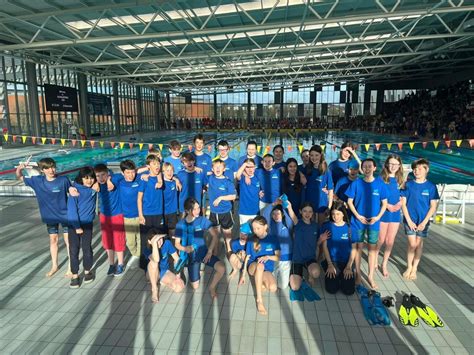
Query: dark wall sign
pixel 98 104
pixel 60 98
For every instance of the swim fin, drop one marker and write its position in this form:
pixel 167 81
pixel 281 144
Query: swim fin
pixel 296 295
pixel 407 313
pixel 426 313
pixel 366 304
pixel 310 294
pixel 379 312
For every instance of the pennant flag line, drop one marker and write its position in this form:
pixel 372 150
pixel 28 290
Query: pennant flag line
pixel 43 140
pixel 140 146
pixel 389 146
pixel 458 142
pixel 367 146
pixel 436 143
pixel 411 144
pixel 6 137
pixel 121 144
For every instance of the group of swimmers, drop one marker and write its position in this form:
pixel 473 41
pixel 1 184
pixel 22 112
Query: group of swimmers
pixel 293 217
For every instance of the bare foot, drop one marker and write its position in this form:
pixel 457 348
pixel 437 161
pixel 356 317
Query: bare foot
pixel 412 275
pixel 385 273
pixel 372 283
pixel 261 308
pixel 51 272
pixel 406 274
pixel 155 296
pixel 213 293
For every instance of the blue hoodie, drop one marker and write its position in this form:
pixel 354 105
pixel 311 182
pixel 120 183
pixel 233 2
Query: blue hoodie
pixel 81 209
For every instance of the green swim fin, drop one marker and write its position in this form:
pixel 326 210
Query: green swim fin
pixel 310 294
pixel 296 295
pixel 407 313
pixel 426 313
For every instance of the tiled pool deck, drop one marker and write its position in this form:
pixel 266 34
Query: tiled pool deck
pixel 115 315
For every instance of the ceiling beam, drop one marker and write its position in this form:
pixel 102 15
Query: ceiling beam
pixel 198 56
pixel 227 30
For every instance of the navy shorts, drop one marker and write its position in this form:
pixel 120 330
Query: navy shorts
pixel 54 228
pixel 269 265
pixel 194 266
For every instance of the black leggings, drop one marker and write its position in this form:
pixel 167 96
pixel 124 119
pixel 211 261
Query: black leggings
pixel 78 241
pixel 339 282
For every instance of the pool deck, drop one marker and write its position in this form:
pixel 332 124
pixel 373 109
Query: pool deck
pixel 115 315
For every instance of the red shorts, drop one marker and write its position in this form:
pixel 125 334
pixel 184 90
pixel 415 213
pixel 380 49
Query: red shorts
pixel 113 232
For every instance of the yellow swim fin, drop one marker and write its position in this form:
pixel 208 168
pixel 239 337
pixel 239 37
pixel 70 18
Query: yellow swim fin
pixel 426 313
pixel 407 313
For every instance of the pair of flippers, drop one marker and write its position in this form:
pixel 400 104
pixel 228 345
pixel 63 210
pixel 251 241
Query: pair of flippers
pixel 305 292
pixel 373 307
pixel 412 309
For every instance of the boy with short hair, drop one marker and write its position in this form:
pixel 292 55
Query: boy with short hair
pixel 221 194
pixel 174 157
pixel 150 201
pixel 367 199
pixel 419 203
pixel 192 181
pixel 111 218
pixel 170 196
pixel 251 153
pixel 203 160
pixel 129 187
pixel 223 148
pixel 270 181
pixel 51 193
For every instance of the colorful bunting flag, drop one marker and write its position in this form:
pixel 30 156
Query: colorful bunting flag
pixel 389 146
pixel 121 144
pixel 83 143
pixel 92 143
pixel 424 144
pixel 140 146
pixel 101 143
pixel 160 146
pixel 323 147
pixel 290 148
pixel 14 138
pixel 150 146
pixel 33 140
pixel 130 145
pixel 53 140
pixel 73 141
pixel 436 143
pixel 300 148
pixel 43 140
pixel 6 137
pixel 23 139
pixel 400 146
pixel 458 142
pixel 448 143
pixel 471 142
pixel 377 146
pixel 112 144
pixel 63 141
pixel 411 144
pixel 259 148
pixel 367 146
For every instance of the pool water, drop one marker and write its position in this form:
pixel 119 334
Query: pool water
pixel 454 168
